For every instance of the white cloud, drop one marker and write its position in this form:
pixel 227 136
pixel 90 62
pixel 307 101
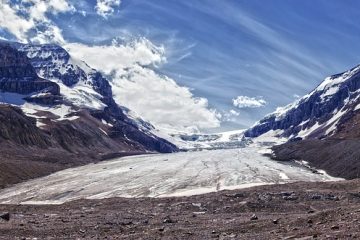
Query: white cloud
pixel 230 116
pixel 233 112
pixel 160 100
pixel 50 33
pixel 106 7
pixel 118 55
pixel 20 18
pixel 40 7
pixel 15 24
pixel 248 102
pixel 154 97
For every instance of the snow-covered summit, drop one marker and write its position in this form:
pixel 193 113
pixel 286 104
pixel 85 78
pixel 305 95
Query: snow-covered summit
pixel 318 113
pixel 45 80
pixel 80 84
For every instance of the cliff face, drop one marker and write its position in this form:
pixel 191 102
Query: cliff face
pixel 53 62
pixel 17 75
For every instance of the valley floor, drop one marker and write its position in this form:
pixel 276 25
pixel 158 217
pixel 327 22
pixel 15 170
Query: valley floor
pixel 162 175
pixel 88 202
pixel 327 210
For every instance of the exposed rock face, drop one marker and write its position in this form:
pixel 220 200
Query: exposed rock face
pixel 20 129
pixel 78 135
pixel 53 62
pixel 18 76
pixel 338 154
pixel 28 151
pixel 331 101
pixel 45 98
pixel 338 157
pixel 26 87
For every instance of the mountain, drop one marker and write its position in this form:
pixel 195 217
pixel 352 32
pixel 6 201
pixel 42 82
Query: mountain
pixel 57 112
pixel 79 83
pixel 318 114
pixel 322 128
pixel 18 75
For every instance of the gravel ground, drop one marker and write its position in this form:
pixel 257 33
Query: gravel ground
pixel 328 210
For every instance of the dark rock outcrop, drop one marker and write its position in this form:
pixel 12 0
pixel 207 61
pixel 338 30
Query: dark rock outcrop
pixel 28 151
pixel 5 216
pixel 17 75
pixel 20 129
pixel 54 62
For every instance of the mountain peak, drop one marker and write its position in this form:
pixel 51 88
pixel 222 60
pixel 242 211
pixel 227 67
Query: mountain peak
pixel 318 113
pixel 55 89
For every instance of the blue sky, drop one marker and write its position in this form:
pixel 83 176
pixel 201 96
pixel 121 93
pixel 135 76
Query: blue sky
pixel 262 54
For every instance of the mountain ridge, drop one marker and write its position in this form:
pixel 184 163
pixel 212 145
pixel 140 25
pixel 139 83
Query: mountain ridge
pixel 322 128
pixel 317 114
pixel 80 88
pixel 55 115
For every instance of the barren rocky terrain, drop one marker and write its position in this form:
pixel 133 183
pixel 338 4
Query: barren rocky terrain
pixel 300 210
pixel 28 151
pixel 338 155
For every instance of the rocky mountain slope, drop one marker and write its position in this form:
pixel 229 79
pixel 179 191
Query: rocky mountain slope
pixel 322 127
pixel 18 76
pixel 318 114
pixel 57 112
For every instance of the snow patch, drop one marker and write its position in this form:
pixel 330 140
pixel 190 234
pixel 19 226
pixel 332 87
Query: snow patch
pixel 307 131
pixel 60 111
pixel 81 95
pixel 30 109
pixel 283 176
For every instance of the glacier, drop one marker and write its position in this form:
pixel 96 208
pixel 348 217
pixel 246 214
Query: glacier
pixel 163 175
